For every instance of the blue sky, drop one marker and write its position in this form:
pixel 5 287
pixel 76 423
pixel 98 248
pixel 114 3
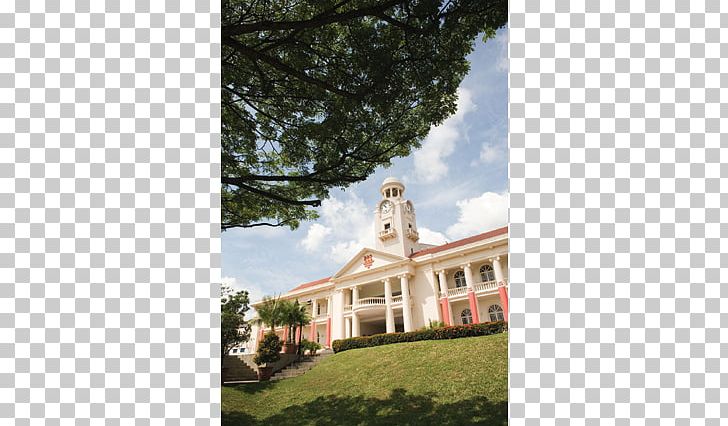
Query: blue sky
pixel 457 181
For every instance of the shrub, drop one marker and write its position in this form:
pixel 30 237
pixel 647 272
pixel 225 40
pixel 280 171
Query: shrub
pixel 310 346
pixel 441 333
pixel 268 350
pixel 435 324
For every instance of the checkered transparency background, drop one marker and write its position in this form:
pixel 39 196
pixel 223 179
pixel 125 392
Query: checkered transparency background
pixel 109 212
pixel 617 198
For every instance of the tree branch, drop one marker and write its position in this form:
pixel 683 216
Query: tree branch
pixel 280 66
pixel 253 225
pixel 320 20
pixel 240 183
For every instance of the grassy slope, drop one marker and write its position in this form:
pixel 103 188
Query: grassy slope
pixel 446 382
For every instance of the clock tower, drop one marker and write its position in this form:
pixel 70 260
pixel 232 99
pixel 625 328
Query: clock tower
pixel 395 225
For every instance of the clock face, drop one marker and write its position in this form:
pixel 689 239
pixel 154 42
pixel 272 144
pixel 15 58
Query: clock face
pixel 386 207
pixel 408 207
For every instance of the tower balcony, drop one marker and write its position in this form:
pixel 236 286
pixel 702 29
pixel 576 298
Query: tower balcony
pixel 387 234
pixel 412 234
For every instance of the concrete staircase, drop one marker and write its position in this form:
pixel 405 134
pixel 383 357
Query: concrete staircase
pixel 298 368
pixel 238 370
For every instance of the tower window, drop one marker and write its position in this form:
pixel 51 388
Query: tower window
pixel 410 225
pixel 386 226
pixel 387 193
pixel 394 192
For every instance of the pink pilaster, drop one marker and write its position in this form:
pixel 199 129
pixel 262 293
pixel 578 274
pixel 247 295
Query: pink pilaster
pixel 298 334
pixel 503 293
pixel 328 332
pixel 285 334
pixel 312 334
pixel 445 311
pixel 260 336
pixel 473 306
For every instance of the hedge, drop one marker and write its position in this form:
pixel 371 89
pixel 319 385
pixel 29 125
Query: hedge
pixel 440 333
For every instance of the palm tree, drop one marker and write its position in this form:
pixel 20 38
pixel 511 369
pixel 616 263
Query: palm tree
pixel 270 312
pixel 301 317
pixel 288 317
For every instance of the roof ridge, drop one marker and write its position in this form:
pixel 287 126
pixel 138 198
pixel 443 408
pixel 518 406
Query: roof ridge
pixel 462 241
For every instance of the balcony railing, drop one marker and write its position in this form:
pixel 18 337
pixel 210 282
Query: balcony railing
pixel 412 234
pixel 485 286
pixel 397 299
pixel 347 308
pixel 387 234
pixel 370 301
pixel 457 291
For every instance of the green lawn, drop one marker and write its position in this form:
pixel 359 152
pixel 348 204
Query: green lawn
pixel 446 382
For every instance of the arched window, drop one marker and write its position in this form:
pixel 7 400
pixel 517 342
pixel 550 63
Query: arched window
pixel 487 273
pixel 459 279
pixel 495 312
pixel 466 316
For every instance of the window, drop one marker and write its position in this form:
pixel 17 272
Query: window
pixel 466 316
pixel 460 279
pixel 487 273
pixel 386 226
pixel 496 313
pixel 235 350
pixel 387 194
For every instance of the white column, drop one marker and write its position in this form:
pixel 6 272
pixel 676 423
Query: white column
pixel 354 315
pixel 443 283
pixel 443 291
pixel 339 329
pixel 347 324
pixel 388 302
pixel 354 324
pixel 436 292
pixel 468 271
pixel 312 331
pixel 498 270
pixel 472 298
pixel 406 310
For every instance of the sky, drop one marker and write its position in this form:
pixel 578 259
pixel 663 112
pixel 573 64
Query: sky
pixel 457 181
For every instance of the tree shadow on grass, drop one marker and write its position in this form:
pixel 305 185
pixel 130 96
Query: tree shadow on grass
pixel 251 388
pixel 399 409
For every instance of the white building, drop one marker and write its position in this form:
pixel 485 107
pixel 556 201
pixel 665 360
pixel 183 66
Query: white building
pixel 402 285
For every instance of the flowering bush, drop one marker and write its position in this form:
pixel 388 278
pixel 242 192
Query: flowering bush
pixel 440 333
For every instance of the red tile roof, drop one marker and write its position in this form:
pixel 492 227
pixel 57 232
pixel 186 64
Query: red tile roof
pixel 310 284
pixel 464 241
pixel 430 250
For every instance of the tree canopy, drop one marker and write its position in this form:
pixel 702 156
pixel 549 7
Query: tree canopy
pixel 234 328
pixel 317 94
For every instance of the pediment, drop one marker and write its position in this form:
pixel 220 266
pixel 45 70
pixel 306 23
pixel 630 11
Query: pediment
pixel 366 260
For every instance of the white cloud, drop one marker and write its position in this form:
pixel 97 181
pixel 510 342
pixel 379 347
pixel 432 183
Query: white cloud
pixel 428 236
pixel 254 292
pixel 480 214
pixel 345 227
pixel 315 236
pixel 502 58
pixel 492 153
pixel 440 142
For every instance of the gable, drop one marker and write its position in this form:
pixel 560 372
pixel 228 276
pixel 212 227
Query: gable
pixel 366 260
